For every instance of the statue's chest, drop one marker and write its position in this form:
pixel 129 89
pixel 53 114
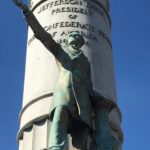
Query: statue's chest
pixel 79 67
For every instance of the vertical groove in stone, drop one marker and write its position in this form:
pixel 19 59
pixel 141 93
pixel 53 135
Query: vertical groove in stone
pixel 70 142
pixel 48 130
pixel 21 144
pixel 40 138
pixel 28 140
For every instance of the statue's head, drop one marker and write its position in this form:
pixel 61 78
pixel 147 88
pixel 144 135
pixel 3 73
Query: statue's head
pixel 75 40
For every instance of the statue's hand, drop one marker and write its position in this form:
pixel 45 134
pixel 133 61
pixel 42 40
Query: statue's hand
pixel 21 5
pixel 18 2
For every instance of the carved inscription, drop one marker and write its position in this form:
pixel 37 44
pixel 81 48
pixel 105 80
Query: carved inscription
pixel 55 3
pixel 72 8
pixel 88 5
pixel 88 35
pixel 70 24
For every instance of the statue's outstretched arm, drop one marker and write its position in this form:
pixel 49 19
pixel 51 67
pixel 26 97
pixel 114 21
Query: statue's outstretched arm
pixel 38 30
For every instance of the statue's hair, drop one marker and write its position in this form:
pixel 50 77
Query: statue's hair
pixel 74 33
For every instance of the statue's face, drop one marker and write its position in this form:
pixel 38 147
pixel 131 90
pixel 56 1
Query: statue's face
pixel 75 40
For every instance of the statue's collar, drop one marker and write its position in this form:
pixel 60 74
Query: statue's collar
pixel 77 55
pixel 72 54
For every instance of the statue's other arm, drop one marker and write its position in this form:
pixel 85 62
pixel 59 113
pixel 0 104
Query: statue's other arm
pixel 38 30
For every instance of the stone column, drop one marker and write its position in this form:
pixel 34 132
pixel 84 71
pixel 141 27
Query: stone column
pixel 59 17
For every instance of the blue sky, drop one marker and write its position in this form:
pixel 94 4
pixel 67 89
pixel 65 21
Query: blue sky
pixel 131 49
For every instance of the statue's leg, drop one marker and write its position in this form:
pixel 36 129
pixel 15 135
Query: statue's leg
pixel 58 130
pixel 80 137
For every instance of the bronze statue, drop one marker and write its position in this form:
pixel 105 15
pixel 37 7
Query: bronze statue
pixel 71 107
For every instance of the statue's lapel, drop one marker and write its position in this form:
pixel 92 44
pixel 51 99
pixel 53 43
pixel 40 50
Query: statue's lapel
pixel 76 56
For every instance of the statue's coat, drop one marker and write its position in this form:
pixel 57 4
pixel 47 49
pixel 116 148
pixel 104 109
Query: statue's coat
pixel 73 85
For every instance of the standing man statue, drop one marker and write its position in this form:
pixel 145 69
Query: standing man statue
pixel 71 107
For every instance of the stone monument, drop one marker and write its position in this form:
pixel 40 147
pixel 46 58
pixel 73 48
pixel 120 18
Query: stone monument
pixel 59 18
